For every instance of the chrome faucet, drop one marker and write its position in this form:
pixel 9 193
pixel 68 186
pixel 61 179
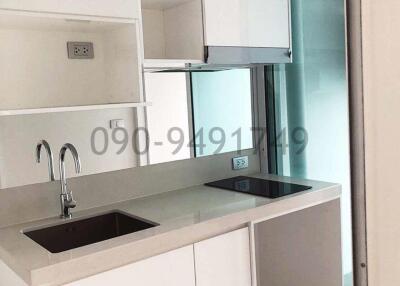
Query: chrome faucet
pixel 50 159
pixel 66 198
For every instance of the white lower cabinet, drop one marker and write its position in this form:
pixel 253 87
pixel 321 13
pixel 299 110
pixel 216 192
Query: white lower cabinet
pixel 175 268
pixel 220 261
pixel 224 260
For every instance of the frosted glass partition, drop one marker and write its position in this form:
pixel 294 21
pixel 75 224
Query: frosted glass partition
pixel 311 105
pixel 222 111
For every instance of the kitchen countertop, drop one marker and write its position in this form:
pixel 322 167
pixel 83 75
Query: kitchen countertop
pixel 185 216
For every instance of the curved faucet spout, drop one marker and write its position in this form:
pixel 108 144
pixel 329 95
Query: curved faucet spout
pixel 75 156
pixel 46 145
pixel 67 200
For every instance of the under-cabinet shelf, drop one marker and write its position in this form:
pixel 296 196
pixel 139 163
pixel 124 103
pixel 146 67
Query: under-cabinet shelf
pixel 151 65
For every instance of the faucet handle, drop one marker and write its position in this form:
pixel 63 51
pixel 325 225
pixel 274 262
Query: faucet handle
pixel 67 203
pixel 71 204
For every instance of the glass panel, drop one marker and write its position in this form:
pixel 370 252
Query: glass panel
pixel 222 111
pixel 311 105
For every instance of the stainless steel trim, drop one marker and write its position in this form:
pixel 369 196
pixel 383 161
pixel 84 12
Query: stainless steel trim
pixel 246 55
pixel 357 144
pixel 189 95
pixel 258 76
pixel 290 30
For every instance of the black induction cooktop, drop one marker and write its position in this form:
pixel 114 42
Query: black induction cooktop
pixel 258 187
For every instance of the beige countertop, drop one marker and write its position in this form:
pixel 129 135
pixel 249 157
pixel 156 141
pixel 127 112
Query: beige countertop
pixel 185 216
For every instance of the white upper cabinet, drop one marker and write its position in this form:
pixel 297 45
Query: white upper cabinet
pixel 247 23
pixel 106 8
pixel 216 32
pixel 224 260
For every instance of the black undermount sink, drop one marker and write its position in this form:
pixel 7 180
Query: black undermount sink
pixel 87 231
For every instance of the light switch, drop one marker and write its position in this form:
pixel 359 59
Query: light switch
pixel 117 123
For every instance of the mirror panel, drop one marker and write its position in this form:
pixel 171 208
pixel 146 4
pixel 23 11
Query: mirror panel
pixel 180 104
pixel 222 111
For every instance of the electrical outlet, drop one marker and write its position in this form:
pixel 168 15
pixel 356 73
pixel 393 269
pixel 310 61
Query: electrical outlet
pixel 80 50
pixel 117 123
pixel 240 163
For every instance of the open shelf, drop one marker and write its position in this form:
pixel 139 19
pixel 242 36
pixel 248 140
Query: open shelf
pixel 73 108
pixel 173 31
pixel 39 76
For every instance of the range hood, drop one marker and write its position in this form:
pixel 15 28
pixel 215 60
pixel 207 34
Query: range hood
pixel 246 55
pixel 223 58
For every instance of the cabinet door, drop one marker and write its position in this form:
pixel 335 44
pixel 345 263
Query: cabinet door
pixel 302 248
pixel 224 260
pixel 114 8
pixel 247 23
pixel 175 268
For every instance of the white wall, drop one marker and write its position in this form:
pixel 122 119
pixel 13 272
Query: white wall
pixel 153 33
pixel 19 135
pixel 381 41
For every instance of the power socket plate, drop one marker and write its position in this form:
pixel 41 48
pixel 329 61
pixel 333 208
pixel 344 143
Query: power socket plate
pixel 240 163
pixel 80 50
